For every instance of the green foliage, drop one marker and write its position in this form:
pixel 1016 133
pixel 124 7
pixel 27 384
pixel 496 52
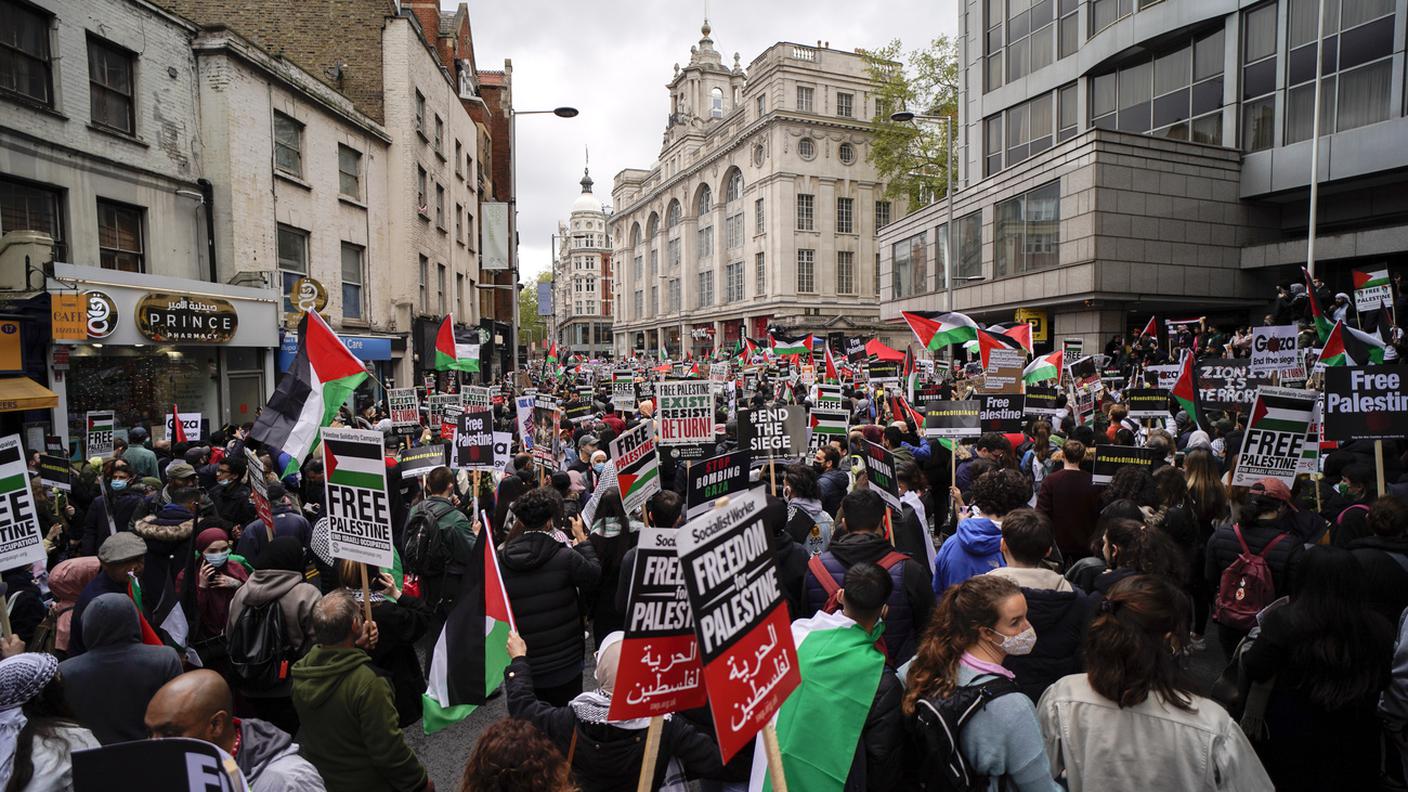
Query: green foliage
pixel 911 156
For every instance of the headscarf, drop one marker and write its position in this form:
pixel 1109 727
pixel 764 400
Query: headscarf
pixel 593 705
pixel 285 553
pixel 209 536
pixel 22 677
pixel 67 582
pixel 1199 439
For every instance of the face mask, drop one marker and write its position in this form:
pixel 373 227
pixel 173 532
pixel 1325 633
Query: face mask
pixel 818 466
pixel 217 559
pixel 598 467
pixel 119 484
pixel 1342 488
pixel 226 482
pixel 1019 644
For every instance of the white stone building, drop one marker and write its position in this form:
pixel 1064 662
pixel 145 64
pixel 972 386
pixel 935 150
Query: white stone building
pixel 761 210
pixel 582 294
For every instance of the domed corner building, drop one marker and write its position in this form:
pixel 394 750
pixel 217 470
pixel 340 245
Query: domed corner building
pixel 582 295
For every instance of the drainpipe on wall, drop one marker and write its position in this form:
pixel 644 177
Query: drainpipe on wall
pixel 207 191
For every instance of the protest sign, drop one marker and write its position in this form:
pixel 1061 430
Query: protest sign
pixel 55 471
pixel 1146 402
pixel 718 372
pixel 449 419
pixel 547 423
pixel 659 669
pixel 740 618
pixel 419 461
pixel 1275 436
pixel 577 411
pixel 828 396
pixel 21 535
pixel 192 424
pixel 359 512
pixel 1041 401
pixel 773 431
pixel 1072 348
pixel 259 490
pixel 952 419
pixel 475 397
pixel 1310 450
pixel 880 472
pixel 646 389
pixel 98 439
pixel 404 409
pixel 436 404
pixel 1274 350
pixel 1001 412
pixel 637 466
pixel 1167 375
pixel 474 441
pixel 1364 403
pixel 1004 371
pixel 503 452
pixel 883 370
pixel 714 478
pixel 828 425
pixel 174 763
pixel 623 395
pixel 1110 458
pixel 1226 384
pixel 523 411
pixel 685 412
pixel 1083 371
pixel 1372 289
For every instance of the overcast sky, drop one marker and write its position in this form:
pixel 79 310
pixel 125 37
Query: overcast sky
pixel 611 60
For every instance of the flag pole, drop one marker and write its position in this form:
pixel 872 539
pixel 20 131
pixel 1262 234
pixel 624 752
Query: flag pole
pixel 774 754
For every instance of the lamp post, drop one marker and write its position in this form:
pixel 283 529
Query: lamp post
pixel 906 116
pixel 560 112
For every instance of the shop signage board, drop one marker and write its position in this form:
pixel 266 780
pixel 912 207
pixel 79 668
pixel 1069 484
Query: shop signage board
pixel 404 407
pixel 773 432
pixel 68 316
pixel 101 314
pixel 953 418
pixel 474 441
pixel 359 512
pixel 1364 403
pixel 98 441
pixel 419 461
pixel 21 537
pixel 685 412
pixel 637 466
pixel 714 478
pixel 308 294
pixel 176 318
pixel 1275 436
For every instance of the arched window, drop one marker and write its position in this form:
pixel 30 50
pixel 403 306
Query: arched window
pixel 716 103
pixel 706 200
pixel 734 189
pixel 652 226
pixel 672 216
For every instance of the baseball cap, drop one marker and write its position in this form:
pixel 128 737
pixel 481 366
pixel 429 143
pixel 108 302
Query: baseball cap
pixel 1273 488
pixel 123 546
pixel 179 470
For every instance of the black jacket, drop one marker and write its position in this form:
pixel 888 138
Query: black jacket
pixel 834 484
pixel 122 503
pixel 399 625
pixel 543 578
pixel 27 606
pixel 1284 558
pixel 1061 619
pixel 910 603
pixel 607 758
pixel 234 502
pixel 879 754
pixel 1385 562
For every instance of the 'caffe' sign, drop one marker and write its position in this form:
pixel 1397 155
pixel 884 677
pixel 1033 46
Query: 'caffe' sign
pixel 165 318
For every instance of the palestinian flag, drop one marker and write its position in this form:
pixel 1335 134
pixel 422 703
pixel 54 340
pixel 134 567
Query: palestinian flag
pixel 452 356
pixel 988 341
pixel 552 354
pixel 1044 368
pixel 321 378
pixel 1150 329
pixel 840 668
pixel 747 349
pixel 1184 392
pixel 1278 414
pixel 178 432
pixel 831 373
pixel 1349 347
pixel 353 464
pixel 1370 279
pixel 1021 332
pixel 471 653
pixel 1323 325
pixel 937 330
pixel 134 592
pixel 791 345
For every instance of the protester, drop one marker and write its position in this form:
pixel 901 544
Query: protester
pixel 808 523
pixel 1071 501
pixel 401 620
pixel 217 579
pixel 67 582
pixel 112 510
pixel 1265 530
pixel 287 522
pixel 24 602
pixel 613 534
pixel 123 558
pixel 992 447
pixel 136 453
pixel 975 548
pixel 231 495
pixel 513 756
pixel 910 524
pixel 38 730
pixel 832 482
pixel 1357 487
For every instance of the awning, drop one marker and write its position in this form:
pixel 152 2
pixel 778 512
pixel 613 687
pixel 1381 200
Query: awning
pixel 879 350
pixel 23 393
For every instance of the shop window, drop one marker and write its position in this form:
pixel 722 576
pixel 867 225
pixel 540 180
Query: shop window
pixel 293 260
pixel 120 238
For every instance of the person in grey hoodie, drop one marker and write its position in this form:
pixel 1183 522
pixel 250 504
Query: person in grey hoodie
pixel 807 522
pixel 199 705
pixel 109 685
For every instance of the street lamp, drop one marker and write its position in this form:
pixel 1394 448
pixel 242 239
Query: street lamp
pixel 904 117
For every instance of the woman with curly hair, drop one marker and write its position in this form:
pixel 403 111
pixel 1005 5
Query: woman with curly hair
pixel 975 547
pixel 512 756
pixel 978 623
pixel 1135 694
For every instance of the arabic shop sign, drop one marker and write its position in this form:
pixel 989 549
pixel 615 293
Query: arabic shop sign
pixel 176 317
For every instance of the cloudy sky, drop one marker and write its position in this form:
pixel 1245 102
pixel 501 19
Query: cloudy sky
pixel 611 59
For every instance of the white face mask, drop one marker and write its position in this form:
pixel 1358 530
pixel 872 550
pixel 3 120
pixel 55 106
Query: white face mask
pixel 1020 644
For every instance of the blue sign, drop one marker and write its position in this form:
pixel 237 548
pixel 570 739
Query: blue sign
pixel 364 347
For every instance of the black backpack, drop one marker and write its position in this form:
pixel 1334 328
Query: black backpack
pixel 259 654
pixel 938 724
pixel 427 553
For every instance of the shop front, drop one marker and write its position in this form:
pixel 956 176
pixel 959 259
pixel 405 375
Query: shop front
pixel 377 352
pixel 143 343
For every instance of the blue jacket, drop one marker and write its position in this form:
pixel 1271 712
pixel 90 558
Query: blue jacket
pixel 972 551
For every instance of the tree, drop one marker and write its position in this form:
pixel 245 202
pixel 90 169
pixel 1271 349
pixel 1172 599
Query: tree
pixel 530 326
pixel 912 156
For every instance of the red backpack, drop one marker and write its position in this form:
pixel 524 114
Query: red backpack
pixel 1247 586
pixel 829 585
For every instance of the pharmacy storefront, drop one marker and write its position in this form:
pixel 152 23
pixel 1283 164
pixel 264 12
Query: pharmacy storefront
pixel 138 344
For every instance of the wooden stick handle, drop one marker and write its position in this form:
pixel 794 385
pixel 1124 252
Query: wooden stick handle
pixel 5 631
pixel 774 752
pixel 366 594
pixel 652 752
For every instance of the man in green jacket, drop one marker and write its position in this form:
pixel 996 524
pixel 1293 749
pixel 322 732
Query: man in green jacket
pixel 457 533
pixel 348 719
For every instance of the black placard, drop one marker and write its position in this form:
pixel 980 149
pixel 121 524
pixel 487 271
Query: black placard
pixel 1365 403
pixel 714 478
pixel 1002 412
pixel 1110 458
pixel 773 431
pixel 1226 384
pixel 953 418
pixel 1041 401
pixel 1146 402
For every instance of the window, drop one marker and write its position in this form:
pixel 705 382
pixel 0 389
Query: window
pixel 804 98
pixel 639 303
pixel 760 274
pixel 459 223
pixel 440 289
pixel 762 104
pixel 672 215
pixel 734 189
pixel 424 285
pixel 1066 123
pixel 120 237
pixel 459 295
pixel 1067 28
pixel 845 215
pixel 733 232
pixel 288 145
pixel 110 88
pixel 733 283
pixel 353 307
pixel 469 236
pixel 25 68
pixel 654 299
pixel 882 109
pixel 30 207
pixel 1028 231
pixel 1176 93
pixel 909 266
pixel 847 153
pixel 293 260
pixel 882 214
pixel 970 245
pixel 706 288
pixel 1027 129
pixel 806 148
pixel 672 253
pixel 845 272
pixel 440 207
pixel 1356 66
pixel 459 160
pixel 759 217
pixel 716 103
pixel 349 171
pixel 806 271
pixel 438 143
pixel 1259 77
pixel 706 243
pixel 673 295
pixel 844 105
pixel 806 220
pixel 638 269
pixel 1104 13
pixel 420 113
pixel 706 201
pixel 422 203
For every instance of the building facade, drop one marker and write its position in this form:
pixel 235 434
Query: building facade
pixel 761 210
pixel 1118 159
pixel 582 294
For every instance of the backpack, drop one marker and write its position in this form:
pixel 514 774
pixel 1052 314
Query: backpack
pixel 257 645
pixel 47 633
pixel 828 583
pixel 1246 587
pixel 427 553
pixel 938 724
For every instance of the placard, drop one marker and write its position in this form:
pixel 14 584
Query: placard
pixel 827 426
pixel 1004 370
pixel 685 413
pixel 659 669
pixel 1146 402
pixel 1310 449
pixel 98 438
pixel 1042 401
pixel 404 409
pixel 773 431
pixel 476 397
pixel 714 478
pixel 173 763
pixel 1226 384
pixel 547 437
pixel 623 395
pixel 436 403
pixel 359 512
pixel 740 619
pixel 827 396
pixel 1110 458
pixel 523 407
pixel 1002 412
pixel 503 452
pixel 259 490
pixel 637 466
pixel 414 462
pixel 1372 289
pixel 474 441
pixel 1275 436
pixel 1365 403
pixel 952 418
pixel 56 472
pixel 21 535
pixel 449 420
pixel 577 412
pixel 880 471
pixel 1072 348
pixel 1274 350
pixel 1167 374
pixel 883 369
pixel 191 423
